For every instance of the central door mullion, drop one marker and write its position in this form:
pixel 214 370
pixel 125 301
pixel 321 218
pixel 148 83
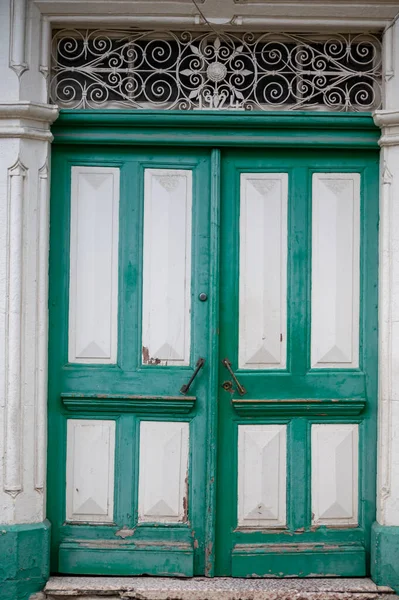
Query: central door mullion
pixel 212 415
pixel 227 431
pixel 298 474
pixel 299 260
pixel 130 273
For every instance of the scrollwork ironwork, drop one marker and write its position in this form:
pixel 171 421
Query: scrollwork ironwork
pixel 187 70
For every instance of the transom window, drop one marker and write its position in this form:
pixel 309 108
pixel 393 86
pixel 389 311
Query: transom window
pixel 186 70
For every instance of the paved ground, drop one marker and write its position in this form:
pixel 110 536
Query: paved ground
pixel 220 588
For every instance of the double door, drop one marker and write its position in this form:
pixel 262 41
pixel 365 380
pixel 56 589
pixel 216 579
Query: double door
pixel 212 377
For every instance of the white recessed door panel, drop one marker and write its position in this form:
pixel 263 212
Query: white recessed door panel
pixel 262 475
pixel 335 270
pixel 90 471
pixel 335 474
pixel 163 471
pixel 167 266
pixel 263 271
pixel 93 287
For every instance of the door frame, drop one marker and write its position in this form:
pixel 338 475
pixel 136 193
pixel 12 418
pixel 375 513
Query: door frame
pixel 216 129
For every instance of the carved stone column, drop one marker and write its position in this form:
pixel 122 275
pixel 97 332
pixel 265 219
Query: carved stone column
pixel 385 538
pixel 24 174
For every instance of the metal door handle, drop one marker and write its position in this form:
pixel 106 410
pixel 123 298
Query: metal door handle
pixel 200 363
pixel 240 388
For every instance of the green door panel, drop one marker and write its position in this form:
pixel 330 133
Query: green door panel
pixel 129 391
pixel 210 542
pixel 296 396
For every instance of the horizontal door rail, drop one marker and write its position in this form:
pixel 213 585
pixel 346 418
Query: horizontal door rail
pixel 216 128
pixel 319 407
pixel 120 403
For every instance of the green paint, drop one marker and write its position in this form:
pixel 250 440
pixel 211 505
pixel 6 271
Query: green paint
pixel 385 555
pixel 210 543
pixel 129 391
pixel 216 129
pixel 297 560
pixel 25 559
pixel 211 474
pixel 170 560
pixel 117 403
pixel 319 407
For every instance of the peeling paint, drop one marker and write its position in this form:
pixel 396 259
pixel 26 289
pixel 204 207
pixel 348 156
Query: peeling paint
pixel 208 558
pixel 185 500
pixel 125 532
pixel 146 355
pixel 147 360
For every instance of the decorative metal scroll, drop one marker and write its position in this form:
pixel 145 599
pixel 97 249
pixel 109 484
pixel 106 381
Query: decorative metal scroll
pixel 203 70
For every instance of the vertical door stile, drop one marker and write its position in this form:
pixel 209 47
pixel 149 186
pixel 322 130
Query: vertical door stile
pixel 212 416
pixel 299 278
pixel 299 269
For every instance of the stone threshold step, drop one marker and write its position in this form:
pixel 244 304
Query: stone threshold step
pixel 218 588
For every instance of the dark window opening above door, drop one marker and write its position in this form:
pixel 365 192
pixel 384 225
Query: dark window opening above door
pixel 185 70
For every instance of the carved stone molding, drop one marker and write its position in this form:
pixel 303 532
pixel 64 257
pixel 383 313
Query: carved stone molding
pixel 388 120
pixel 45 41
pixel 41 327
pixel 26 119
pixel 13 410
pixel 17 59
pixel 294 15
pixel 385 329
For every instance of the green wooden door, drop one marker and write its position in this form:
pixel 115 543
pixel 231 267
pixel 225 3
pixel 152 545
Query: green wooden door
pixel 298 325
pixel 290 361
pixel 130 239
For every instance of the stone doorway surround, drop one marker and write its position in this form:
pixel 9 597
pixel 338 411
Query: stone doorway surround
pixel 25 121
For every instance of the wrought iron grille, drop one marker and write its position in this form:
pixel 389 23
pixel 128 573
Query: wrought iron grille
pixel 203 70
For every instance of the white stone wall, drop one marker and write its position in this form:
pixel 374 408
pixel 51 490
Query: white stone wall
pixel 388 439
pixel 24 176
